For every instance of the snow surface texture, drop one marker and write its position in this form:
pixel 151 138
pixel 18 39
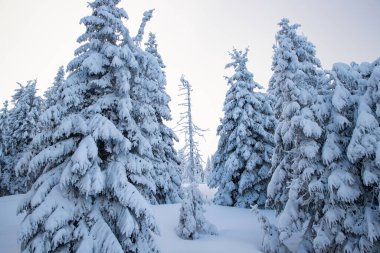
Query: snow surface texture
pixel 239 229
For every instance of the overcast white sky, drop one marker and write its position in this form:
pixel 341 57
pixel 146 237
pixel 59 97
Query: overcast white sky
pixel 38 36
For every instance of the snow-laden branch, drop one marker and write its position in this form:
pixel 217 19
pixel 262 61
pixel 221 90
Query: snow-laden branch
pixel 146 17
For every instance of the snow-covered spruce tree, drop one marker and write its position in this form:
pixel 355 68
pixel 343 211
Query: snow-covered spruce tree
pixel 292 87
pixel 199 165
pixel 86 199
pixel 350 218
pixel 208 169
pixel 337 186
pixel 151 47
pixel 241 164
pixel 48 120
pixel 4 148
pixel 151 110
pixel 182 166
pixel 271 242
pixel 294 190
pixel 192 222
pixel 22 126
pixel 52 93
pixel 364 152
pixel 186 167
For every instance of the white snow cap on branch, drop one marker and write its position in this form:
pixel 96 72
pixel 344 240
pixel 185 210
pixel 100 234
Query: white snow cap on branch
pixel 146 17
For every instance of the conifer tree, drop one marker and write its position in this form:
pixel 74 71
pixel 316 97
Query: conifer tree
pixel 4 149
pixel 364 152
pixel 241 164
pixel 295 187
pixel 208 169
pixel 182 166
pixel 151 47
pixel 340 105
pixel 52 93
pixel 271 242
pixel 91 156
pixel 192 222
pixel 338 211
pixel 151 110
pixel 21 125
pixel 349 217
pixel 48 119
pixel 292 85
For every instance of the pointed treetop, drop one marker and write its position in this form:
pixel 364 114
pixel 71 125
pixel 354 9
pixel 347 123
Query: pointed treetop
pixel 286 28
pixel 304 49
pixel 242 74
pixel 97 3
pixel 5 105
pixel 152 42
pixel 52 93
pixel 60 74
pixel 29 88
pixel 239 58
pixel 104 24
pixel 151 47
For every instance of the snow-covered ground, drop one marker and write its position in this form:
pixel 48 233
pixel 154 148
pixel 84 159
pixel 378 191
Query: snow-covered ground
pixel 9 223
pixel 238 228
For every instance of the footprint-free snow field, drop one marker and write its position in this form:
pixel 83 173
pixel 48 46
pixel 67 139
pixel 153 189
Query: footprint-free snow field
pixel 239 231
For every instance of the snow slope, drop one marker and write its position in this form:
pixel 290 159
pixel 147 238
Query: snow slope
pixel 238 228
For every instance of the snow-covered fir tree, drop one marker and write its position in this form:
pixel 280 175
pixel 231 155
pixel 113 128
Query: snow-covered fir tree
pixel 5 139
pixel 21 126
pixel 292 85
pixel 295 187
pixel 333 108
pixel 364 152
pixel 151 111
pixel 192 222
pixel 151 47
pixel 199 164
pixel 48 119
pixel 334 205
pixel 52 93
pixel 208 169
pixel 182 166
pixel 187 167
pixel 271 242
pixel 241 164
pixel 349 217
pixel 92 157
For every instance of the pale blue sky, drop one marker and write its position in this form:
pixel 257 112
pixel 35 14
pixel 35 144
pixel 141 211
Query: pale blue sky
pixel 194 36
